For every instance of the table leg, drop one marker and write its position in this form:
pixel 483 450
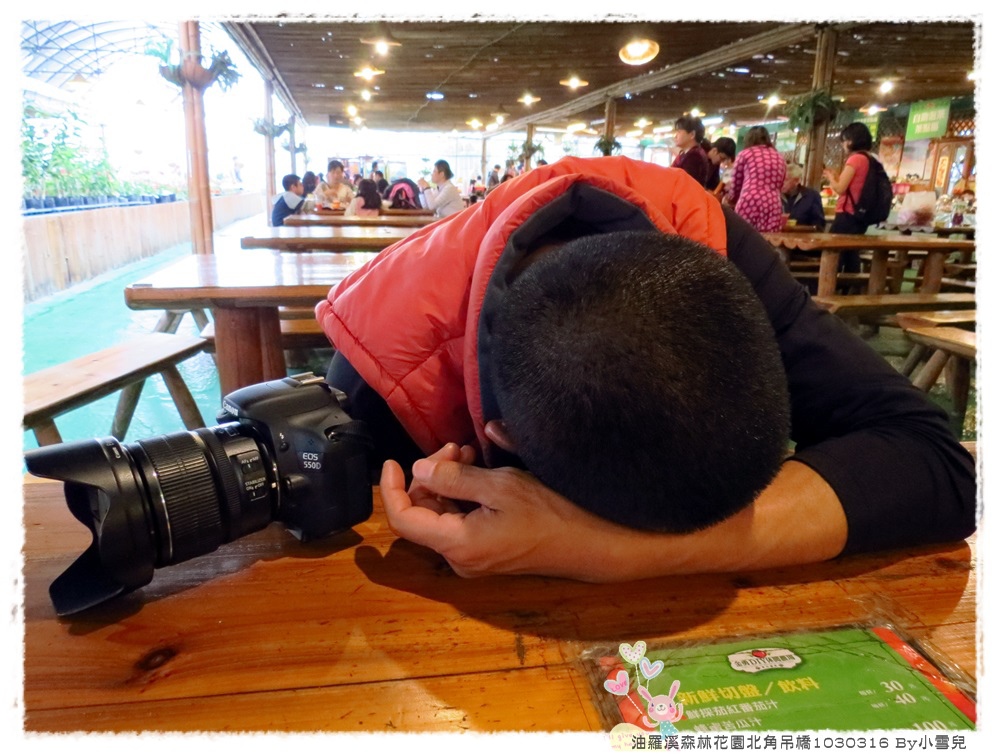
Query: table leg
pixel 248 346
pixel 828 262
pixel 877 274
pixel 933 271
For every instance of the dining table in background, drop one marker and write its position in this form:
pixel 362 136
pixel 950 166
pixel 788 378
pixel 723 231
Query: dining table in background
pixel 350 238
pixel 829 246
pixel 364 632
pixel 244 290
pixel 336 221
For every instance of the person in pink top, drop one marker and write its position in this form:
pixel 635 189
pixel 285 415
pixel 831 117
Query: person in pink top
pixel 758 175
pixel 856 140
pixel 367 203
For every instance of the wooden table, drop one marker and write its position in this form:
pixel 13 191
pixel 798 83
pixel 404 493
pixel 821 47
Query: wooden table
pixel 350 238
pixel 364 632
pixel 382 221
pixel 244 290
pixel 831 245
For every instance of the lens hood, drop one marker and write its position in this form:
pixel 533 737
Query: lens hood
pixel 105 495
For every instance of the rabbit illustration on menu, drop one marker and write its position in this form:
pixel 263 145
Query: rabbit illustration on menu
pixel 662 710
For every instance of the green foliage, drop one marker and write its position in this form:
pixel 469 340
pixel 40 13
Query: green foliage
pixel 265 127
pixel 607 146
pixel 810 108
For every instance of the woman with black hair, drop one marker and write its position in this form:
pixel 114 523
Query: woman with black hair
pixel 445 198
pixel 688 133
pixel 367 203
pixel 856 141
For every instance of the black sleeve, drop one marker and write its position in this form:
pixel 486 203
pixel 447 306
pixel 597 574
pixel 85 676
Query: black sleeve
pixel 886 450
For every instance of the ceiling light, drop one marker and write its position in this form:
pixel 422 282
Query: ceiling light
pixel 474 123
pixel 366 95
pixel 500 115
pixel 574 127
pixel 885 87
pixel 574 82
pixel 972 76
pixel 639 51
pixel 874 109
pixel 529 100
pixel 634 134
pixel 774 100
pixel 642 122
pixel 352 110
pixel 696 113
pixel 319 86
pixel 368 73
pixel 435 95
pixel 381 41
pixel 713 121
pixel 492 126
pixel 358 120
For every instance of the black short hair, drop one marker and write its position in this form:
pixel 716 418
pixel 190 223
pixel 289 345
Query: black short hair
pixel 334 165
pixel 725 145
pixel 691 124
pixel 445 168
pixel 309 181
pixel 858 136
pixel 639 376
pixel 290 180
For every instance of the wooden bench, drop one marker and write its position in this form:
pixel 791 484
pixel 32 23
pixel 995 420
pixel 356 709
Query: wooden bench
pixel 54 391
pixel 893 303
pixel 953 351
pixel 965 320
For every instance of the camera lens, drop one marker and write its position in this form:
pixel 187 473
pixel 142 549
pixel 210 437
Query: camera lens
pixel 205 488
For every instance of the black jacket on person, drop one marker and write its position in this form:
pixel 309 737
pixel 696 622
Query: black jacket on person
pixel 805 207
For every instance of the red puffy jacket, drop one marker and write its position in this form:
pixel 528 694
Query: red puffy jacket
pixel 409 320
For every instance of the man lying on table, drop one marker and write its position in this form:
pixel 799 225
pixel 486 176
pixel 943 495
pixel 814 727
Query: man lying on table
pixel 628 360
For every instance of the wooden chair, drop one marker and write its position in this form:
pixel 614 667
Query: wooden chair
pixel 54 391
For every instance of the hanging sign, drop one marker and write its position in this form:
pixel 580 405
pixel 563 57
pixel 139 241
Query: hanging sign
pixel 928 119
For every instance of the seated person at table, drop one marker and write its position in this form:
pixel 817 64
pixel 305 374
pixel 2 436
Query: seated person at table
pixel 597 355
pixel 801 203
pixel 368 202
pixel 380 182
pixel 334 191
pixel 309 182
pixel 288 203
pixel 721 154
pixel 444 197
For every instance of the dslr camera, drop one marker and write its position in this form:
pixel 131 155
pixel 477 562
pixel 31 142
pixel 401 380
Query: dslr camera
pixel 287 451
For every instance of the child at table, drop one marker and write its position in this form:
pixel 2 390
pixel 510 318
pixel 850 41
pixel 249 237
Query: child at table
pixel 288 203
pixel 368 202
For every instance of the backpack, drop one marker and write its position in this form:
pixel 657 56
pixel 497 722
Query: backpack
pixel 403 194
pixel 875 201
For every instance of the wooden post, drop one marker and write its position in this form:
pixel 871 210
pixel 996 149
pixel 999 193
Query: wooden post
pixel 269 172
pixel 199 188
pixel 609 120
pixel 826 58
pixel 529 139
pixel 482 161
pixel 291 143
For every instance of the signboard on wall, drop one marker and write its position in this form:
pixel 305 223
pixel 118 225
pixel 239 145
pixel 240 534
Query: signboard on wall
pixel 928 119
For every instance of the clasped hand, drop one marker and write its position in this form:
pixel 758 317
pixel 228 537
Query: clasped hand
pixel 518 526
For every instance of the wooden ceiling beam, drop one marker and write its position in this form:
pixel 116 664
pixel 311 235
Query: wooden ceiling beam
pixel 735 52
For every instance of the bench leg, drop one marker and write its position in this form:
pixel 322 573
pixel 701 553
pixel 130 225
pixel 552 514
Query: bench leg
pixel 917 354
pixel 46 433
pixel 958 378
pixel 927 376
pixel 168 321
pixel 127 401
pixel 179 391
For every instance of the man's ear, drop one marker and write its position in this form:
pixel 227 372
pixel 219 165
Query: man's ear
pixel 496 431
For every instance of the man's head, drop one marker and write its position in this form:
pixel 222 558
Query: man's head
pixel 496 168
pixel 793 177
pixel 334 172
pixel 293 183
pixel 441 172
pixel 688 131
pixel 722 148
pixel 637 374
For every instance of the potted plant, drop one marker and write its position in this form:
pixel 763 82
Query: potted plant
pixel 529 150
pixel 266 128
pixel 608 145
pixel 189 70
pixel 805 110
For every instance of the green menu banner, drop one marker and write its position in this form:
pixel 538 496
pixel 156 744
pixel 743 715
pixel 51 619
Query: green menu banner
pixel 928 119
pixel 843 679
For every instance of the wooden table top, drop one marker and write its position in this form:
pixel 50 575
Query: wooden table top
pixel 364 632
pixel 820 241
pixel 243 278
pixel 382 221
pixel 348 238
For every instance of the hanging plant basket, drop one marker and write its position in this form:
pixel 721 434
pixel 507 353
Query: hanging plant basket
pixel 529 150
pixel 191 71
pixel 267 128
pixel 607 146
pixel 811 108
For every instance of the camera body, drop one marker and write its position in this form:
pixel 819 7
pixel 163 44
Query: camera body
pixel 321 454
pixel 287 451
